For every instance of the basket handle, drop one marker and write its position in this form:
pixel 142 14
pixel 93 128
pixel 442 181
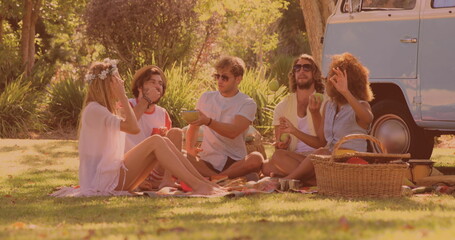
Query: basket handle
pixel 359 136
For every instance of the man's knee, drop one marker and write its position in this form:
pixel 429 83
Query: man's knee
pixel 174 133
pixel 255 160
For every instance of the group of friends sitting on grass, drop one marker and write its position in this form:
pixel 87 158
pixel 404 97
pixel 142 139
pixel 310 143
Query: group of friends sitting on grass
pixel 129 144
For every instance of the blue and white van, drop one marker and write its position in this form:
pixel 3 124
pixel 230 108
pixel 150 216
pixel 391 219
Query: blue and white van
pixel 409 48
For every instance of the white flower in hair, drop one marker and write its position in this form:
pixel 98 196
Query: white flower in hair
pixel 89 78
pixel 109 71
pixel 103 74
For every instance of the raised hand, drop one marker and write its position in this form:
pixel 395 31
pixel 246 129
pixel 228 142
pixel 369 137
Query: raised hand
pixel 315 103
pixel 340 80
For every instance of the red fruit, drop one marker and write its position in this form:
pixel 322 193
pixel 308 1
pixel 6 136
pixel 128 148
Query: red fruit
pixel 356 160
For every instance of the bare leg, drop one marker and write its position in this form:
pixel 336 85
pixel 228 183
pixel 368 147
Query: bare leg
pixel 305 169
pixel 251 163
pixel 188 164
pixel 201 167
pixel 175 135
pixel 282 163
pixel 141 159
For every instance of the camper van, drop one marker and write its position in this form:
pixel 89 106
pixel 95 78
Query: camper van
pixel 409 48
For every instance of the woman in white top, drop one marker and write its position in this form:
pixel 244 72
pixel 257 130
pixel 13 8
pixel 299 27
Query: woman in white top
pixel 104 167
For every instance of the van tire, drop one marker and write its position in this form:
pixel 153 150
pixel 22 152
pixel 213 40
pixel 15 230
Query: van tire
pixel 392 120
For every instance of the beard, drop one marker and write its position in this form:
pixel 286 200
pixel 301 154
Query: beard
pixel 305 85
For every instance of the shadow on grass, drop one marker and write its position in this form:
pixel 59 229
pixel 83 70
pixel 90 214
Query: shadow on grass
pixel 24 198
pixel 12 148
pixel 49 154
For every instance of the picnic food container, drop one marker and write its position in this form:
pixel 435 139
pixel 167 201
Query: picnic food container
pixel 380 178
pixel 418 169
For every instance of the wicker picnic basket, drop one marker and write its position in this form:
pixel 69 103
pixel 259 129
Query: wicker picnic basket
pixel 379 178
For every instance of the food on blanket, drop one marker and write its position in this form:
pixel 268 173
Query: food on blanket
pixel 218 178
pixel 344 151
pixel 418 190
pixel 284 137
pixel 274 85
pixel 406 191
pixel 319 96
pixel 356 160
pixel 190 116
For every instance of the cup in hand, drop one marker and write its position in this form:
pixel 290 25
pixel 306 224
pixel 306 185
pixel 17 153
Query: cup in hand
pixel 190 115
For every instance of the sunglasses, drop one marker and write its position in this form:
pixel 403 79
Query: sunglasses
pixel 306 67
pixel 224 78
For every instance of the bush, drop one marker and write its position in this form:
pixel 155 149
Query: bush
pixel 182 92
pixel 280 68
pixel 255 84
pixel 18 109
pixel 65 102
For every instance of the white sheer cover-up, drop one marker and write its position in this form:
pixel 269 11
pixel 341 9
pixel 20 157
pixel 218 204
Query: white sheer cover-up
pixel 101 153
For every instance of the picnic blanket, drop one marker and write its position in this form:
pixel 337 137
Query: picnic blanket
pixel 238 187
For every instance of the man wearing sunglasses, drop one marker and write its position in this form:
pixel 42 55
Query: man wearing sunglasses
pixel 304 80
pixel 225 116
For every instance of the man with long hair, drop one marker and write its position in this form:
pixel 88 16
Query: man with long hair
pixel 304 81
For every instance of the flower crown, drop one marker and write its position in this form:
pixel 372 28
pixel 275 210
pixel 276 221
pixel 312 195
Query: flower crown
pixel 110 70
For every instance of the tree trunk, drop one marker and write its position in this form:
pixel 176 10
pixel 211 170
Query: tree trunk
pixel 314 24
pixel 328 6
pixel 1 29
pixel 30 16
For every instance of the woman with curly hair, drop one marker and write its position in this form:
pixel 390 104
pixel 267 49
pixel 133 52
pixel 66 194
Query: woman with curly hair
pixel 104 168
pixel 347 112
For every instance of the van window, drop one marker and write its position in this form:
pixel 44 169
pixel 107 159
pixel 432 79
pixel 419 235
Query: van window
pixel 369 5
pixel 346 6
pixel 443 3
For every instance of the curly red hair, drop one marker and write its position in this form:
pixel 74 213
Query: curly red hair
pixel 357 74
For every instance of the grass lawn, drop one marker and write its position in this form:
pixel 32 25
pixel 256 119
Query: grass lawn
pixel 30 169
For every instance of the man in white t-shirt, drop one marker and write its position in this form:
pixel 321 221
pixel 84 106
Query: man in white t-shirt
pixel 225 116
pixel 304 81
pixel 148 86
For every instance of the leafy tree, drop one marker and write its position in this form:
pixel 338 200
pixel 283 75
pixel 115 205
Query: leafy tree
pixel 247 28
pixel 138 31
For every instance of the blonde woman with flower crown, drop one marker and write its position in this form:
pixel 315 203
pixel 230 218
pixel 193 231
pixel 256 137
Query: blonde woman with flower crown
pixel 104 167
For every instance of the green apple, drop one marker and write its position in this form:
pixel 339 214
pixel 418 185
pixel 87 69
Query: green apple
pixel 274 85
pixel 190 116
pixel 284 137
pixel 319 96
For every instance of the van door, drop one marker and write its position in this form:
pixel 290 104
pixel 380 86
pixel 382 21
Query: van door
pixel 437 60
pixel 384 38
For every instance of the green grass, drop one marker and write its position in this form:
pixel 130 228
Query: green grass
pixel 30 169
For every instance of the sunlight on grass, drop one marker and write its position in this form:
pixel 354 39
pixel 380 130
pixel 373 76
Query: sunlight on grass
pixel 31 169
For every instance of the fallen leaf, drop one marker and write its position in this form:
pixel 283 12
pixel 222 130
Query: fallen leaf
pixel 7 196
pixel 344 223
pixel 18 225
pixel 90 233
pixel 409 227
